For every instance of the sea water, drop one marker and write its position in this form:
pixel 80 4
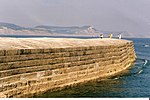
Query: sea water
pixel 134 83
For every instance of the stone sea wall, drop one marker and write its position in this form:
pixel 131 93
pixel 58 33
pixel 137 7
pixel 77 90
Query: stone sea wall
pixel 26 72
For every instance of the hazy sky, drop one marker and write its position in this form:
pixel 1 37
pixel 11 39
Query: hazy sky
pixel 112 15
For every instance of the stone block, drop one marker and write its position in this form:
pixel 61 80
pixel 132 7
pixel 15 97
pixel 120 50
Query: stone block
pixel 2 52
pixel 11 52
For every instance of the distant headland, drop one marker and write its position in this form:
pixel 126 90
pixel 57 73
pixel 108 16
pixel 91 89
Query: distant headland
pixel 9 29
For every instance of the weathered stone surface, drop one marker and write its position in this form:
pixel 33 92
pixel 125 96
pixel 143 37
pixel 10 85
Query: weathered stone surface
pixel 38 65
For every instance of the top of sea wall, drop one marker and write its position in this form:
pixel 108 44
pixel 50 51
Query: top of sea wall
pixel 45 43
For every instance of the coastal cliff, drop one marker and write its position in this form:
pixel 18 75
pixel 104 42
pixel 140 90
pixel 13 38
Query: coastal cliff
pixel 9 29
pixel 29 66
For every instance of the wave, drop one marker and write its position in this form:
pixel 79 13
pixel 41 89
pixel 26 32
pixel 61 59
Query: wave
pixel 145 62
pixel 146 45
pixel 140 72
pixel 138 68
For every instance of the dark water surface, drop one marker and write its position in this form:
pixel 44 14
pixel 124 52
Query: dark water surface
pixel 134 83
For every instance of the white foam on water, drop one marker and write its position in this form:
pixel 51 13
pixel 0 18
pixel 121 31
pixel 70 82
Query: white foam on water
pixel 146 45
pixel 140 71
pixel 116 78
pixel 145 62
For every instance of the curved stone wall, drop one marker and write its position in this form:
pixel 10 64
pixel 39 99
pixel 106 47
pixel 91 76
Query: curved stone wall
pixel 25 72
